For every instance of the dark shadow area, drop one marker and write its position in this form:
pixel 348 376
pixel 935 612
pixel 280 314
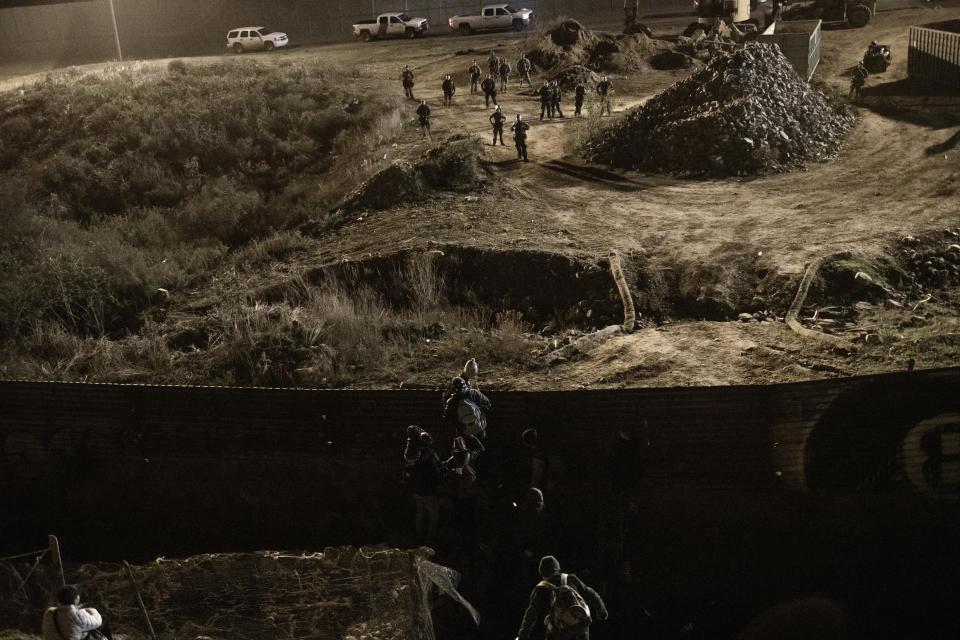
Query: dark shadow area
pixel 944 146
pixel 917 102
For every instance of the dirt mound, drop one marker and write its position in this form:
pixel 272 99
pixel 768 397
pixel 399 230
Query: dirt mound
pixel 397 183
pixel 570 76
pixel 569 43
pixel 745 113
pixel 448 165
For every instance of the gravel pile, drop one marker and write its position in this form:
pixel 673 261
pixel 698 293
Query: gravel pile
pixel 745 113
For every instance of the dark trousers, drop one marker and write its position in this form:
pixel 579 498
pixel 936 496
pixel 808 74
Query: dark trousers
pixel 474 83
pixel 408 90
pixel 577 106
pixel 497 131
pixel 521 148
pixel 546 107
pixel 556 107
pixel 447 99
pixel 490 96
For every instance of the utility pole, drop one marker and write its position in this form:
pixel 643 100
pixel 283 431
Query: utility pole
pixel 116 34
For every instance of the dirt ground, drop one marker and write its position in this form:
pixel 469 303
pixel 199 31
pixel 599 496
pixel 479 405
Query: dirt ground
pixel 896 175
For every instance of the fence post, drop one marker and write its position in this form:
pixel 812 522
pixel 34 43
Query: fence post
pixel 55 556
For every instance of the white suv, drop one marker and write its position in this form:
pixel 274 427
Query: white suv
pixel 253 38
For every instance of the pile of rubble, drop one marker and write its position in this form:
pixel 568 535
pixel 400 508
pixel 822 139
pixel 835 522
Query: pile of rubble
pixel 745 113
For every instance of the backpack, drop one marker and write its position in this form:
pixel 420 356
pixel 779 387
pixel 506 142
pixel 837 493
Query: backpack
pixel 471 420
pixel 569 614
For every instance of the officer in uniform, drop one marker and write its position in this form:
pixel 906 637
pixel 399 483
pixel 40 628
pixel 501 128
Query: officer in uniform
pixel 519 129
pixel 474 72
pixel 578 93
pixel 604 89
pixel 406 77
pixel 489 87
pixel 555 95
pixel 523 68
pixel 448 90
pixel 504 73
pixel 423 113
pixel 497 119
pixel 546 100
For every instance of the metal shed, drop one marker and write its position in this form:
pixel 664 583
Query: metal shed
pixel 799 40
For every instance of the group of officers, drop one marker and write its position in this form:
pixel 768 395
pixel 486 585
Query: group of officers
pixel 550 95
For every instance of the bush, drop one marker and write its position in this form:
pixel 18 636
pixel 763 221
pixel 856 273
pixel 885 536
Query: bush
pixel 454 163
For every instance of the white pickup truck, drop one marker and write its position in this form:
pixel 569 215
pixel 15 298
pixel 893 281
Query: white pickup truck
pixel 493 16
pixel 396 24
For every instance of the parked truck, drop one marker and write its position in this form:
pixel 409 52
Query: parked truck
pixel 396 24
pixel 493 16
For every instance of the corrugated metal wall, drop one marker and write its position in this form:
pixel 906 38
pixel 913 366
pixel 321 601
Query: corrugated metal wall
pixel 81 32
pixel 840 487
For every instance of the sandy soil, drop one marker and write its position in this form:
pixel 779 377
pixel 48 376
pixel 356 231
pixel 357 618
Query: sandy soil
pixel 885 183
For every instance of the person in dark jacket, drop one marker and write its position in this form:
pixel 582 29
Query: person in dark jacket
pixel 556 94
pixel 578 93
pixel 406 77
pixel 449 88
pixel 497 119
pixel 546 100
pixel 489 87
pixel 540 602
pixel 424 474
pixel 474 72
pixel 460 388
pixel 519 129
pixel 605 92
pixel 504 70
pixel 423 114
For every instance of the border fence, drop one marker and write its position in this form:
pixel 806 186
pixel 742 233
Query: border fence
pixel 847 487
pixel 934 53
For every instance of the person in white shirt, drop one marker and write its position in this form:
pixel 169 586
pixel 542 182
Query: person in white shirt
pixel 69 621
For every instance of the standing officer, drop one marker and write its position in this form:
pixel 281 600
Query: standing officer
pixel 423 113
pixel 493 63
pixel 497 119
pixel 504 69
pixel 474 72
pixel 555 95
pixel 406 77
pixel 546 100
pixel 489 87
pixel 519 129
pixel 604 90
pixel 448 90
pixel 523 68
pixel 578 93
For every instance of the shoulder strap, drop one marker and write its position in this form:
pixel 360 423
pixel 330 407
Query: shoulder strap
pixel 56 624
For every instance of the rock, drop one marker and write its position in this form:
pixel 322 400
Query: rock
pixel 745 317
pixel 892 304
pixel 910 241
pixel 860 275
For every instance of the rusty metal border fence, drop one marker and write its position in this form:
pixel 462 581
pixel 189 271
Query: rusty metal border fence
pixel 846 486
pixel 934 54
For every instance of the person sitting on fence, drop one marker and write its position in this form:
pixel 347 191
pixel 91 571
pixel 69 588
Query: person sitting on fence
pixel 69 621
pixel 463 405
